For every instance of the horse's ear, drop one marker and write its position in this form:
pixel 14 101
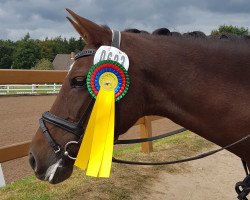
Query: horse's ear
pixel 91 32
pixel 76 26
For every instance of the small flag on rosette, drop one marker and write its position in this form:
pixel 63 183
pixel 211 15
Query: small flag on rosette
pixel 107 82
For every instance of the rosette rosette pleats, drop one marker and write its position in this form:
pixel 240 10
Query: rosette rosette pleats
pixel 107 82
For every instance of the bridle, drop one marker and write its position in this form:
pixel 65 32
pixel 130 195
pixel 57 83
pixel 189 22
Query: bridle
pixel 76 128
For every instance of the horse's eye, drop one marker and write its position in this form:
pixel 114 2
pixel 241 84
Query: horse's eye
pixel 78 82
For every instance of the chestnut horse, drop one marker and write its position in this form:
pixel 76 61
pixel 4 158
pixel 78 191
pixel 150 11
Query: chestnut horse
pixel 203 85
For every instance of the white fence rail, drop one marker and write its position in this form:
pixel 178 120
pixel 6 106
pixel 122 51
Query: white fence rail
pixel 30 89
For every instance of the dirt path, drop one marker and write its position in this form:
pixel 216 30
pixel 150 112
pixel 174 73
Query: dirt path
pixel 211 178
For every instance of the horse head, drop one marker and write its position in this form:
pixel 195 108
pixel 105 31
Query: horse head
pixel 70 112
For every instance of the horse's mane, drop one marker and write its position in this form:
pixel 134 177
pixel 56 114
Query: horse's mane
pixel 231 42
pixel 226 40
pixel 191 35
pixel 205 48
pixel 237 45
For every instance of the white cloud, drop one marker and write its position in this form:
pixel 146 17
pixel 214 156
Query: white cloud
pixel 46 18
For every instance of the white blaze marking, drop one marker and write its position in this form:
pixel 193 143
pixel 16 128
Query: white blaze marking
pixel 52 170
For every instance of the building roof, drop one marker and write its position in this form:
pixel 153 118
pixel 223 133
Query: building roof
pixel 62 62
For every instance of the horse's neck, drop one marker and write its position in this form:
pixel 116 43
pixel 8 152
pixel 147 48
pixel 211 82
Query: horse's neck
pixel 196 85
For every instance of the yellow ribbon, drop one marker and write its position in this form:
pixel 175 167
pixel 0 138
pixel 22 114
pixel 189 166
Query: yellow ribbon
pixel 95 153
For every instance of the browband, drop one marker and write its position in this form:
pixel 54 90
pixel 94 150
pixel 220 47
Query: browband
pixel 83 53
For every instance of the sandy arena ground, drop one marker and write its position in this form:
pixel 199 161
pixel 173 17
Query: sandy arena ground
pixel 211 178
pixel 19 122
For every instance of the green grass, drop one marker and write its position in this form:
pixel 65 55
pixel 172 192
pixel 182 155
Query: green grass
pixel 126 181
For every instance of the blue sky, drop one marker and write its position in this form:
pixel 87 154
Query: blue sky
pixel 46 18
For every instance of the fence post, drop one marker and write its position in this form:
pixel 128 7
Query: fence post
pixel 33 88
pixel 54 87
pixel 2 181
pixel 146 131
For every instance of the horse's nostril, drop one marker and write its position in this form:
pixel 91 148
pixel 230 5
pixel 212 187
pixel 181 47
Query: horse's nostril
pixel 32 161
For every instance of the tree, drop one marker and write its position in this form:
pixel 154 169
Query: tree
pixel 223 29
pixel 51 47
pixel 75 45
pixel 26 54
pixel 48 48
pixel 6 51
pixel 43 64
pixel 61 45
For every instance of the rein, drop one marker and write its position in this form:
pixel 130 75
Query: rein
pixel 203 155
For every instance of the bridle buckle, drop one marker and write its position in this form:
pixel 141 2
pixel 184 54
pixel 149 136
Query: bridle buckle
pixel 57 150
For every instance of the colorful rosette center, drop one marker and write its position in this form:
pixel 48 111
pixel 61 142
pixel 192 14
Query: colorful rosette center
pixel 110 75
